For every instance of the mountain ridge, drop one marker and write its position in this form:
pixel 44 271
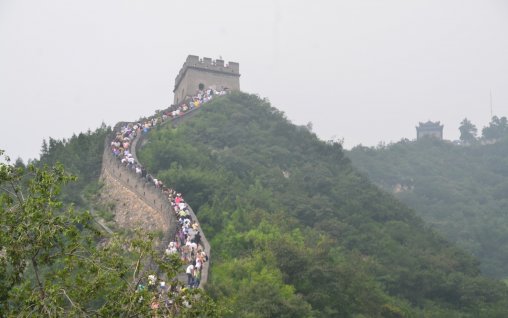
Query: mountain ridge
pixel 242 164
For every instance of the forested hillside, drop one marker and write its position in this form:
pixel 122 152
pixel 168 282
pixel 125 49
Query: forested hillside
pixel 297 232
pixel 55 261
pixel 460 190
pixel 82 156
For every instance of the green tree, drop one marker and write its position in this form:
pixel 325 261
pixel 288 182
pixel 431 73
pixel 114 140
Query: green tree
pixel 498 128
pixel 468 131
pixel 54 262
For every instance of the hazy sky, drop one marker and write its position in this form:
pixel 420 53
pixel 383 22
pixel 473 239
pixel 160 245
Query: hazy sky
pixel 365 71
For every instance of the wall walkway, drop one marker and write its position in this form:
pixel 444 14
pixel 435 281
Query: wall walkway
pixel 148 193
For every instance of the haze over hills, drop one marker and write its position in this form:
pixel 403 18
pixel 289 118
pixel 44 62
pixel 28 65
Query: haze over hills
pixel 461 191
pixel 295 230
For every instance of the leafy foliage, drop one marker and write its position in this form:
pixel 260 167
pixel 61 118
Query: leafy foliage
pixel 498 128
pixel 297 232
pixel 468 131
pixel 53 262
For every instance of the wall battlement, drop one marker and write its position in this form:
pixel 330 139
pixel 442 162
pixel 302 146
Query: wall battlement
pixel 208 65
pixel 206 71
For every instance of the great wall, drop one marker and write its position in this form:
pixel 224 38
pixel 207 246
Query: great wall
pixel 144 197
pixel 143 203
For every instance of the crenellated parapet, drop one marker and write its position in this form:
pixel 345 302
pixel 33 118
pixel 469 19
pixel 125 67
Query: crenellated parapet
pixel 206 72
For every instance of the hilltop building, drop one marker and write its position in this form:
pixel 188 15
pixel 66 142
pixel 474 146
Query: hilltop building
pixel 205 73
pixel 429 129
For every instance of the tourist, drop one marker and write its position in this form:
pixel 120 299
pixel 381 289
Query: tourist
pixel 190 275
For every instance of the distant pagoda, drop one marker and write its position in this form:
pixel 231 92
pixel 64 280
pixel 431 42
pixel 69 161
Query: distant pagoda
pixel 429 129
pixel 205 73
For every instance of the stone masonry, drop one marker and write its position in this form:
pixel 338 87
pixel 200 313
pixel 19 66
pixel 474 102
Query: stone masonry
pixel 209 73
pixel 138 202
pixel 130 211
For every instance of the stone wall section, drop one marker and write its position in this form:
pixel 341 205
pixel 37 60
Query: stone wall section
pixel 126 180
pixel 146 203
pixel 138 142
pixel 129 209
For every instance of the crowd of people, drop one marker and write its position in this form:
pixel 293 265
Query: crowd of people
pixel 187 242
pixel 190 103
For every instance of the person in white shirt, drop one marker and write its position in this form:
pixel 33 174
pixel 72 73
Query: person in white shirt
pixel 190 273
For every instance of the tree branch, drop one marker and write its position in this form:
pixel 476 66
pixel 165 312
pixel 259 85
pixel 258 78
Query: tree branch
pixel 137 266
pixel 41 286
pixel 72 303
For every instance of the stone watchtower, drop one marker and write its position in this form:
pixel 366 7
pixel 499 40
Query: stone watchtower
pixel 429 129
pixel 206 73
